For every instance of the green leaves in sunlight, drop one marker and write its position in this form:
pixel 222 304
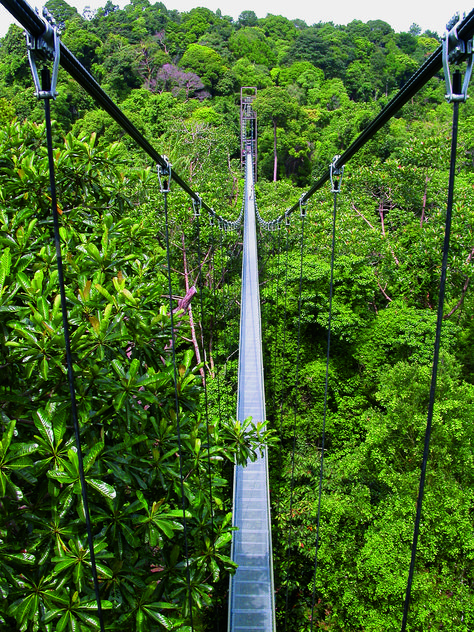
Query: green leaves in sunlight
pixel 120 330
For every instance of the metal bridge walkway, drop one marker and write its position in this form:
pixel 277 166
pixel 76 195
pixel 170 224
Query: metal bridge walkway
pixel 251 597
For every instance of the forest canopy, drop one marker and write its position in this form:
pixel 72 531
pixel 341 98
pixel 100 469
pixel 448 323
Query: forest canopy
pixel 178 76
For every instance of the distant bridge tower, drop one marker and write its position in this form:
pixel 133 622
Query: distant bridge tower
pixel 248 126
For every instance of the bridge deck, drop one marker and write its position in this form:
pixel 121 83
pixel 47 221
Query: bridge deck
pixel 251 599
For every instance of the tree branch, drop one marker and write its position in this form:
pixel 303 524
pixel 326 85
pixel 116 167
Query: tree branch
pixel 461 300
pixel 360 215
pixel 383 290
pixel 188 307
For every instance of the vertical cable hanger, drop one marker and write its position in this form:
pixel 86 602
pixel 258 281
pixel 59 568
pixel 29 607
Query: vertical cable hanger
pixel 283 357
pixel 455 51
pixel 164 178
pixel 42 50
pixel 274 362
pixel 335 175
pixel 215 342
pixel 215 327
pixel 295 406
pixel 276 320
pixel 224 301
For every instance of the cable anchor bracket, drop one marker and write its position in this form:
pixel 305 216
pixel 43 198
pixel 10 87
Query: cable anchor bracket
pixel 303 204
pixel 164 175
pixel 456 50
pixel 335 175
pixel 41 49
pixel 197 206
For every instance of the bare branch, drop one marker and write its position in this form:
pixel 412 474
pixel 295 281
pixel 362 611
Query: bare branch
pixel 461 300
pixel 382 289
pixel 360 215
pixel 422 219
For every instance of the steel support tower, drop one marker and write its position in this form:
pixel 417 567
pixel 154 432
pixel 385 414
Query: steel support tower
pixel 248 127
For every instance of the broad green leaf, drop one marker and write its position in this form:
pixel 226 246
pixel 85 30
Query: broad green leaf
pixel 62 477
pixel 93 251
pixel 103 488
pixel 7 437
pixel 5 263
pixel 157 616
pixel 64 563
pixel 104 570
pixel 24 558
pixel 129 296
pixel 167 527
pixel 91 456
pixel 44 368
pixel 134 366
pixel 104 293
pixel 44 425
pixel 92 605
pixel 223 540
pixel 118 368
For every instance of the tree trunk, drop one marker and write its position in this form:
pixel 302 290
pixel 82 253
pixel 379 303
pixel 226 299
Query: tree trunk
pixel 275 159
pixel 381 211
pixel 191 319
pixel 427 179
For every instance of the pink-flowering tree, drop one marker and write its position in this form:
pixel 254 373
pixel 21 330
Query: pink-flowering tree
pixel 170 78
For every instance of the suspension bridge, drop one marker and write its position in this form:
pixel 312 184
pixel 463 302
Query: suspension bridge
pixel 251 595
pixel 251 600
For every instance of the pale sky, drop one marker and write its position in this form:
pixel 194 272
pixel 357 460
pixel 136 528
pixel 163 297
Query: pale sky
pixel 400 15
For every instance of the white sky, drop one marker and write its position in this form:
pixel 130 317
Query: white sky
pixel 400 15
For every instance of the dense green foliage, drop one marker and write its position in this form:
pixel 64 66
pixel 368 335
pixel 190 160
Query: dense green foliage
pixel 120 335
pixel 332 78
pixel 178 77
pixel 387 267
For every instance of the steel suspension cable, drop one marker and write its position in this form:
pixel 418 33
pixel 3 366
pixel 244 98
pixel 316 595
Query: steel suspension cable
pixel 273 305
pixel 276 318
pixel 279 370
pixel 283 359
pixel 295 409
pixel 434 373
pixel 67 340
pixel 237 267
pixel 165 191
pixel 225 293
pixel 215 326
pixel 227 311
pixel 34 24
pixel 262 272
pixel 428 70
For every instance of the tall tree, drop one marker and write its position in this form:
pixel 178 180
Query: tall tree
pixel 205 62
pixel 61 11
pixel 275 105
